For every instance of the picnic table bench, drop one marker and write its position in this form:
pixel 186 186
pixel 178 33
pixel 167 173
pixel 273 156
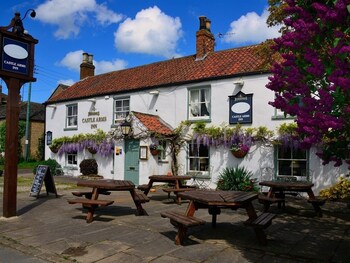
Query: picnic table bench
pixel 173 180
pixel 213 201
pixel 278 189
pixel 176 191
pixel 104 187
pixel 182 222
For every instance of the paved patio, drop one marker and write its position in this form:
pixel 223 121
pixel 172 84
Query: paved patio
pixel 50 229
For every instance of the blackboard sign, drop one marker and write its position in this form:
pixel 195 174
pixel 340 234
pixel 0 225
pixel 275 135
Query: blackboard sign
pixel 43 174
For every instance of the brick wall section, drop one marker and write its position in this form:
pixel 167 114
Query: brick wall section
pixel 205 43
pixel 36 132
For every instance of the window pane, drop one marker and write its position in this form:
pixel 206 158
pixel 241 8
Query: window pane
pixel 284 153
pixel 194 164
pixel 292 163
pixel 72 158
pixel 193 150
pixel 122 108
pixel 198 157
pixel 203 151
pixel 199 105
pixel 205 102
pixel 72 118
pixel 284 168
pixel 299 154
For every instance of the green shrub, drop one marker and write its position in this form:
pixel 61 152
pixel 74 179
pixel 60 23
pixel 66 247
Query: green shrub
pixel 338 191
pixel 53 164
pixel 88 167
pixel 236 179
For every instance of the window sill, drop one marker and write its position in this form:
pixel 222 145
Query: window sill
pixel 71 129
pixel 281 117
pixel 199 120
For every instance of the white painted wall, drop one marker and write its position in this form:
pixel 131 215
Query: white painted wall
pixel 171 106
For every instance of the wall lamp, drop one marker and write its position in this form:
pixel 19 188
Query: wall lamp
pixel 32 14
pixel 125 128
pixel 54 106
pixel 239 82
pixel 154 92
pixel 93 100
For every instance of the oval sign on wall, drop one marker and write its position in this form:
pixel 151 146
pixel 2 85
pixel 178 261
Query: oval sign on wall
pixel 240 107
pixel 15 51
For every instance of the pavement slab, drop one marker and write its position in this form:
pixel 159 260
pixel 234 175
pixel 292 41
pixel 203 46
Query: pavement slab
pixel 48 229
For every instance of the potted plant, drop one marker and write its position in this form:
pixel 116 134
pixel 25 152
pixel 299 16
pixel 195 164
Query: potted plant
pixel 236 179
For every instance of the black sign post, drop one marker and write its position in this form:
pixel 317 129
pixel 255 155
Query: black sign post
pixel 16 68
pixel 43 174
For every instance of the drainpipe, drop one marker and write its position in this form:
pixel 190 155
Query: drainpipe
pixel 26 144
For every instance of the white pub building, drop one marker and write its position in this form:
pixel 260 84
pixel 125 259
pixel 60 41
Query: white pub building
pixel 216 87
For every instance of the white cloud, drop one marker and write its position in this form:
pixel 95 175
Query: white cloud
pixel 70 15
pixel 251 28
pixel 108 66
pixel 67 82
pixel 151 32
pixel 72 61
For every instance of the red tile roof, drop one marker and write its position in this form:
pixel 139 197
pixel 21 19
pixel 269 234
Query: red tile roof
pixel 154 123
pixel 217 65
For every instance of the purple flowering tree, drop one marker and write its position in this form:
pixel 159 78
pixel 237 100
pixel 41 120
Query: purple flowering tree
pixel 313 81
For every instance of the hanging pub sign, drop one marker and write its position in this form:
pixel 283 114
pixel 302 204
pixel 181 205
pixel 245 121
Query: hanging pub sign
pixel 241 108
pixel 17 55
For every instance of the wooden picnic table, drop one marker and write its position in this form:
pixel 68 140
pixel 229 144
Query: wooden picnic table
pixel 214 201
pixel 278 190
pixel 176 182
pixel 104 186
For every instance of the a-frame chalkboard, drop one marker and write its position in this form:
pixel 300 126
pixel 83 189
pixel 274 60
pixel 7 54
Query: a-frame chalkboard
pixel 43 174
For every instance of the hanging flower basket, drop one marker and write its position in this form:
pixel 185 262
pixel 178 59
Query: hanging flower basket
pixel 154 151
pixel 92 150
pixel 54 149
pixel 239 153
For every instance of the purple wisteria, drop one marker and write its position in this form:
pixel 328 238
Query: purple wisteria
pixel 104 148
pixel 313 81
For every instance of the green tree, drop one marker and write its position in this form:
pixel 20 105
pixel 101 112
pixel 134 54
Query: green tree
pixel 21 133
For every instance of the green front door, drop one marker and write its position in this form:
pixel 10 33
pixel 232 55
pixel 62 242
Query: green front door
pixel 132 161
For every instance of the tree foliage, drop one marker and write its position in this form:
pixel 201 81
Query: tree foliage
pixel 313 81
pixel 21 133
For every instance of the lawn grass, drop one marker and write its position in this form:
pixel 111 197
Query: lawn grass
pixel 23 165
pixel 25 183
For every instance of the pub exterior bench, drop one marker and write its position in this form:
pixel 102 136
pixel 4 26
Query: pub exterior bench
pixel 263 221
pixel 267 201
pixel 144 187
pixel 176 191
pixel 182 222
pixel 140 197
pixel 88 194
pixel 317 203
pixel 90 205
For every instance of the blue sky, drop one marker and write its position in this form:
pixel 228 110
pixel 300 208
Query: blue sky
pixel 123 34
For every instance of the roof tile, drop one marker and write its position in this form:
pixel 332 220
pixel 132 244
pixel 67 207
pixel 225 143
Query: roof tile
pixel 221 64
pixel 154 123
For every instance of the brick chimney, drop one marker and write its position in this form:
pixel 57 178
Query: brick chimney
pixel 87 68
pixel 205 40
